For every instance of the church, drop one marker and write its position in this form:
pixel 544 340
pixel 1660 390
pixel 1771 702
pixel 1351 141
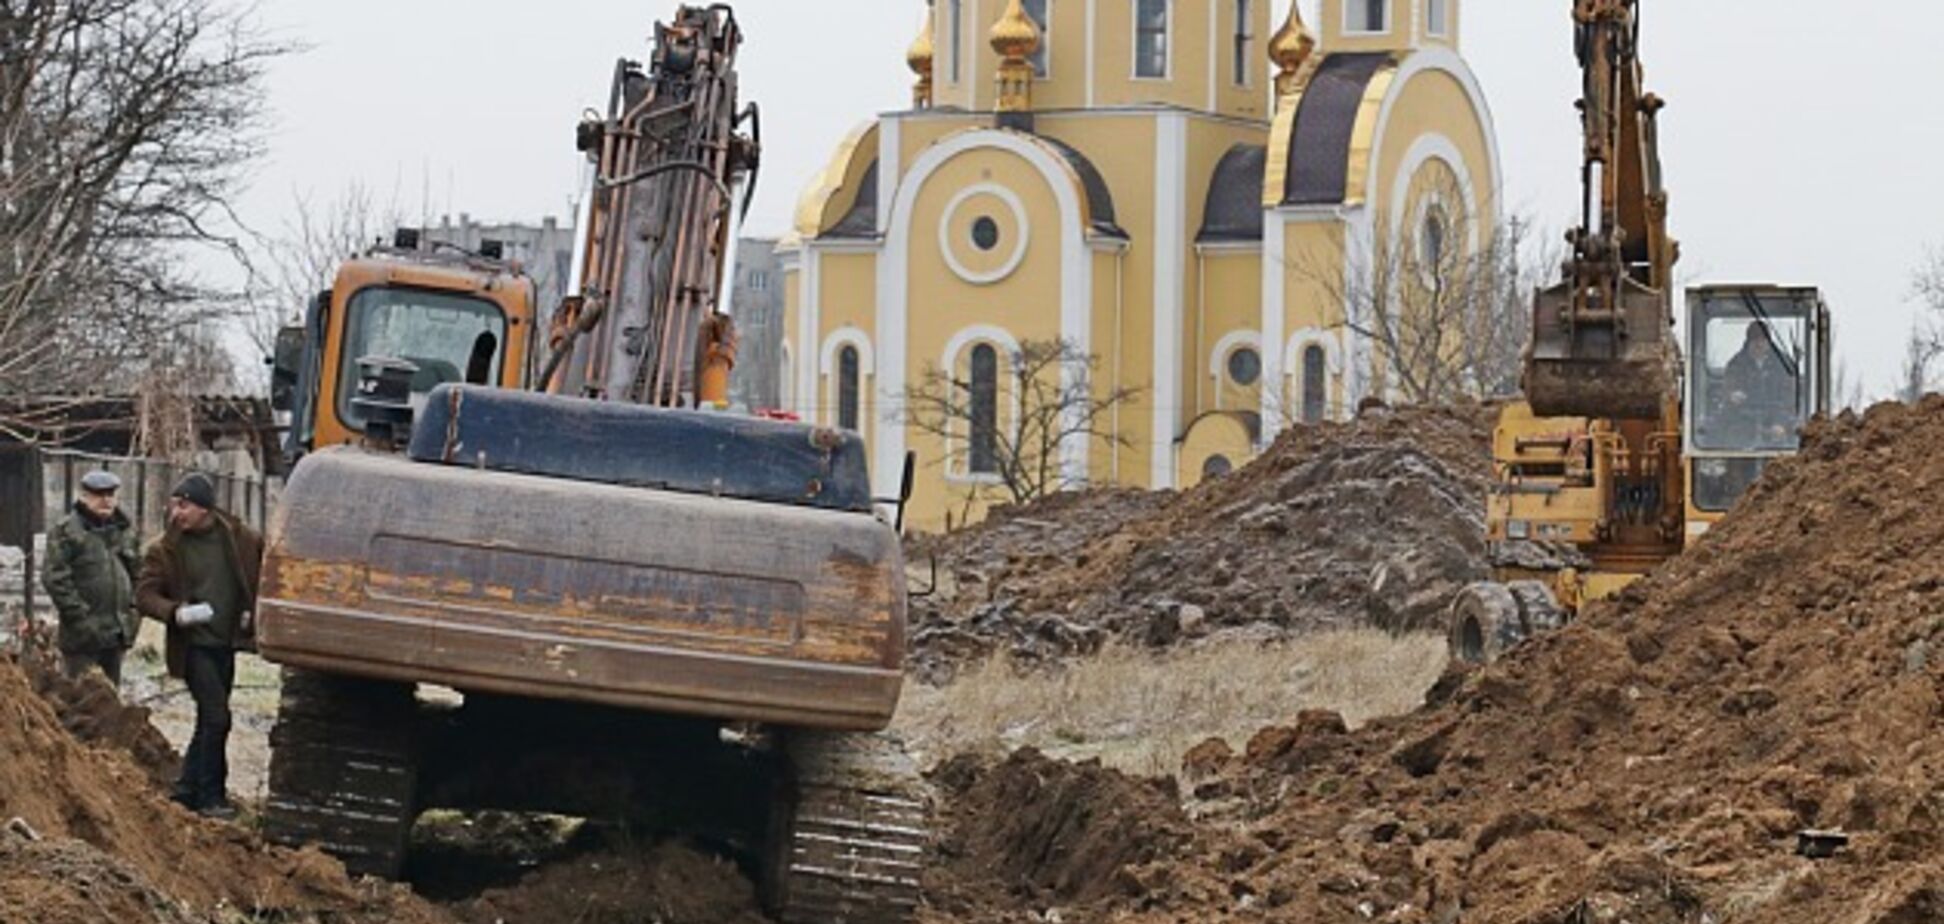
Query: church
pixel 1186 193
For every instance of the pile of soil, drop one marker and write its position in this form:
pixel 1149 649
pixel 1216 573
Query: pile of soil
pixel 1029 833
pixel 113 842
pixel 1653 763
pixel 1374 522
pixel 91 709
pixel 668 883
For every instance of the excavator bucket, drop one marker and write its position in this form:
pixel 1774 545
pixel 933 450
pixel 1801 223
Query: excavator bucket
pixel 1620 364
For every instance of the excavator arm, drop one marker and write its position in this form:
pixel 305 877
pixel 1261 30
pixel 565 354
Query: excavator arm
pixel 1602 342
pixel 669 160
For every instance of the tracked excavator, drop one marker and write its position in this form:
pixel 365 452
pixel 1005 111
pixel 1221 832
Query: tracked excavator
pixel 544 570
pixel 1625 449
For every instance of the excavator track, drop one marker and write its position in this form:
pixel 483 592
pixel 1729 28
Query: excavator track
pixel 343 771
pixel 851 835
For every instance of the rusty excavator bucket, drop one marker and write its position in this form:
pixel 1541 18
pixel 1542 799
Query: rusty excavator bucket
pixel 1618 363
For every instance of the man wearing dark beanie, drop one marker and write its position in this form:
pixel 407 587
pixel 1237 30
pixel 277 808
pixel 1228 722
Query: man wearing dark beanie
pixel 200 580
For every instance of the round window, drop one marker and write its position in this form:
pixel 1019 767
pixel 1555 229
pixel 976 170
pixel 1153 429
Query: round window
pixel 1216 466
pixel 1245 366
pixel 985 233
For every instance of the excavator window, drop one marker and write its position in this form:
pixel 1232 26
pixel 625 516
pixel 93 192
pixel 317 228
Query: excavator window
pixel 1753 388
pixel 448 336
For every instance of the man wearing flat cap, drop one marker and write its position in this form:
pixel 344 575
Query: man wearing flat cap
pixel 90 576
pixel 200 580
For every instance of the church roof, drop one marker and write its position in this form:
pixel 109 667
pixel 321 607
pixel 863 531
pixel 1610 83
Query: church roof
pixel 861 220
pixel 1318 171
pixel 1234 206
pixel 1100 199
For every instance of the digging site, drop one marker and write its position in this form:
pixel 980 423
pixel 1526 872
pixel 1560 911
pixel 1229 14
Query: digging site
pixel 1656 761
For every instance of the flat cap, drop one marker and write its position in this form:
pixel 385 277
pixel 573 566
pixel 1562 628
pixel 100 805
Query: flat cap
pixel 100 482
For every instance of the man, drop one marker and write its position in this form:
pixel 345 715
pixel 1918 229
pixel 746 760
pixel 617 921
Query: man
pixel 1761 388
pixel 200 580
pixel 90 576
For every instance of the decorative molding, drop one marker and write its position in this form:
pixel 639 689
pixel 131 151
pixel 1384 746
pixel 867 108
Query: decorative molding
pixel 947 245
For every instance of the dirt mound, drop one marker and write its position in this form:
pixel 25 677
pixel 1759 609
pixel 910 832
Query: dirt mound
pixel 1377 521
pixel 69 882
pixel 1030 833
pixel 61 788
pixel 668 883
pixel 1656 761
pixel 92 710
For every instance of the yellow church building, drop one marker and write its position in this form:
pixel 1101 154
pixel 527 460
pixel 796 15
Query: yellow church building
pixel 1181 189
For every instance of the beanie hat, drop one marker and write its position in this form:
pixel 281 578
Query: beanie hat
pixel 196 488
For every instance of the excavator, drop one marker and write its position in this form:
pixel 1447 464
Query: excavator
pixel 547 570
pixel 1625 449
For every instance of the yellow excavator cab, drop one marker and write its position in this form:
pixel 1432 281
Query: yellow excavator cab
pixel 450 315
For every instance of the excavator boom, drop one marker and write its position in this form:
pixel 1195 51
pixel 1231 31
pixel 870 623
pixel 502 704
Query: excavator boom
pixel 1602 344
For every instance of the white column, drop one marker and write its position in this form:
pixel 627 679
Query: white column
pixel 1170 261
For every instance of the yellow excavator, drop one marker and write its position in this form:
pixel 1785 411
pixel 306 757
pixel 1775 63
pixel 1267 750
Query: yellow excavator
pixel 546 571
pixel 1623 451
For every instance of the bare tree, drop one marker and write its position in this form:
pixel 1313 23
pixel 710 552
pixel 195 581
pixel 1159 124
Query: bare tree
pixel 1926 341
pixel 126 127
pixel 1444 300
pixel 1016 427
pixel 290 268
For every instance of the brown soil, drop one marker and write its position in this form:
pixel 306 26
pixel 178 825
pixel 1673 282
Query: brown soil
pixel 92 710
pixel 667 884
pixel 1030 833
pixel 64 790
pixel 70 882
pixel 1378 521
pixel 1652 763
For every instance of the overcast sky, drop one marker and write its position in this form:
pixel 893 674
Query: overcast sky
pixel 1801 141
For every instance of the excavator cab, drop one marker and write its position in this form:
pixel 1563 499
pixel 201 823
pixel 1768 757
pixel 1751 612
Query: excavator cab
pixel 1758 370
pixel 438 316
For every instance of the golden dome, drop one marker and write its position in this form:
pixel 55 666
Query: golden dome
pixel 1293 44
pixel 1015 36
pixel 919 55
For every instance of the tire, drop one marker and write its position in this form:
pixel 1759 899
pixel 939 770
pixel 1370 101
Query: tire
pixel 1489 619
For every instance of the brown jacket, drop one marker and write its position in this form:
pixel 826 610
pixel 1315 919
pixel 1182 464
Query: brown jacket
pixel 161 587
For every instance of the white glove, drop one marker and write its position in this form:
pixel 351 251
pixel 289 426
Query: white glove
pixel 194 614
pixel 247 621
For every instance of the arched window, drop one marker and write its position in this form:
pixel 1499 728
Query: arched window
pixel 1431 242
pixel 983 459
pixel 847 387
pixel 1316 383
pixel 1216 466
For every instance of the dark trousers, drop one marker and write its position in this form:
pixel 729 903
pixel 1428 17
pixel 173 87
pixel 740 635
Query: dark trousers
pixel 211 674
pixel 78 663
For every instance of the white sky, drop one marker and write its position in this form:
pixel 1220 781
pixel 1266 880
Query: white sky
pixel 1800 142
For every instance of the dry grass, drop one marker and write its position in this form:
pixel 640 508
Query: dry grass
pixel 1139 713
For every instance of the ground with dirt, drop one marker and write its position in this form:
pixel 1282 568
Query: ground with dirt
pixel 1374 522
pixel 1654 763
pixel 109 841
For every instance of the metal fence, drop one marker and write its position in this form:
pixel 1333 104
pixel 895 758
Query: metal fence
pixel 146 484
pixel 144 496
